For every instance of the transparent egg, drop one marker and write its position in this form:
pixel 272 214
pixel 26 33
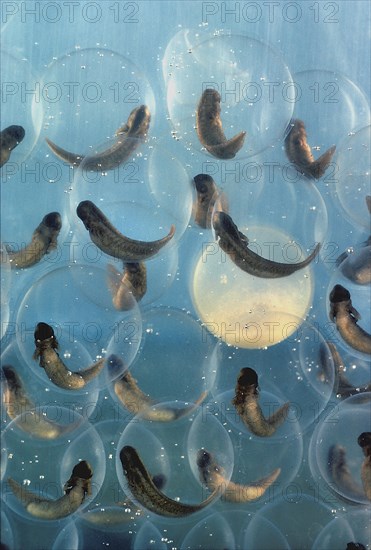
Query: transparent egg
pixel 159 361
pixel 45 478
pixel 262 533
pixel 7 537
pixel 251 77
pixel 149 536
pixel 321 97
pixel 211 533
pixel 353 180
pixel 68 537
pixel 37 395
pixel 78 111
pixel 283 222
pixel 361 301
pixel 289 372
pixel 289 514
pixel 169 450
pixel 335 457
pixel 352 526
pixel 83 328
pixel 22 95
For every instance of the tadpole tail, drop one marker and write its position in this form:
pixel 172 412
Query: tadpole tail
pixel 179 413
pixel 23 494
pixel 279 416
pixel 229 148
pixel 319 166
pixel 71 158
pixel 93 371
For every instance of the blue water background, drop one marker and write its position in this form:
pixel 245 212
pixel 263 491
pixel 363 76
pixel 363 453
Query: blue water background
pixel 332 36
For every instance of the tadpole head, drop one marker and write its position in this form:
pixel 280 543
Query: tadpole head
pixel 17 132
pixel 202 183
pixel 211 96
pixel 247 377
pixel 223 223
pixel 141 114
pixel 83 470
pixel 127 455
pixel 296 124
pixel 138 119
pixel 43 331
pixel 53 220
pixel 9 374
pixel 364 440
pixel 84 211
pixel 203 458
pixel 339 294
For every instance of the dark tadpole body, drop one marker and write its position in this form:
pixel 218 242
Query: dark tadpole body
pixel 46 352
pixel 299 152
pixel 124 286
pixel 75 489
pixel 246 402
pixel 129 137
pixel 213 477
pixel 207 195
pixel 364 441
pixel 9 139
pixel 340 474
pixel 121 512
pixel 357 266
pixel 235 244
pixel 342 387
pixel 137 402
pixel 355 546
pixel 43 241
pixel 210 128
pixel 346 317
pixel 108 239
pixel 147 494
pixel 19 406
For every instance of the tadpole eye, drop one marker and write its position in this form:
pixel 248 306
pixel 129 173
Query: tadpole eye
pixel 159 481
pixel 115 365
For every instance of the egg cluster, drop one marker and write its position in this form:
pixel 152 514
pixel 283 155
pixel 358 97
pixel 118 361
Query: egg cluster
pixel 185 351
